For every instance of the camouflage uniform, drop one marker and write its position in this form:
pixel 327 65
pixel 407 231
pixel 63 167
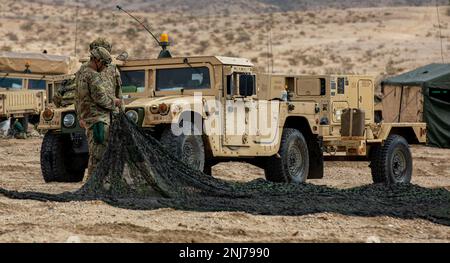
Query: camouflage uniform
pixel 112 72
pixel 95 104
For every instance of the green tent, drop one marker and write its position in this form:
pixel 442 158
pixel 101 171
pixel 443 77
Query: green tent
pixel 434 81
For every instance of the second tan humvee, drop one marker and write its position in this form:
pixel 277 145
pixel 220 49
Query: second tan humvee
pixel 23 82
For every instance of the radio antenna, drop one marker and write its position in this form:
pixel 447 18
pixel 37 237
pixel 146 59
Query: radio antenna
pixel 76 27
pixel 440 30
pixel 140 23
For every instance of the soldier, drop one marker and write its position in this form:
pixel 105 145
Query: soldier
pixel 66 94
pixel 96 101
pixel 111 72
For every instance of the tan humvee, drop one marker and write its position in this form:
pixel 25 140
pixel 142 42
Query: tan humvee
pixel 21 95
pixel 23 81
pixel 280 123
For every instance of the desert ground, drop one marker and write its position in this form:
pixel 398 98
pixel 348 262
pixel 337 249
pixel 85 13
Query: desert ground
pixel 379 41
pixel 96 221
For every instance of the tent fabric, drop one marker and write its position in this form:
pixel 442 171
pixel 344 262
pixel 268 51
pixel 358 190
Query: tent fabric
pixel 402 104
pixel 436 111
pixel 419 76
pixel 39 63
pixel 437 116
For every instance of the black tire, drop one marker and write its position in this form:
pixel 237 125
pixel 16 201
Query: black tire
pixel 392 162
pixel 189 148
pixel 374 153
pixel 291 165
pixel 58 161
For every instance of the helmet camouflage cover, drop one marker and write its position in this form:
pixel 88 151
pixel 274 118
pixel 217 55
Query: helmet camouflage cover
pixel 100 42
pixel 102 54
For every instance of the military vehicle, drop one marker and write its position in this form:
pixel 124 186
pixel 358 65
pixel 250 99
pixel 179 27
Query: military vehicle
pixel 224 104
pixel 227 103
pixel 211 109
pixel 23 81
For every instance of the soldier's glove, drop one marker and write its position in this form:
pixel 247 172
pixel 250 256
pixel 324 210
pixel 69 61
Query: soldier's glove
pixel 98 130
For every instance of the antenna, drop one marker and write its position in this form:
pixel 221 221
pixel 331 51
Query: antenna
pixel 76 27
pixel 268 52
pixel 440 30
pixel 140 23
pixel 271 48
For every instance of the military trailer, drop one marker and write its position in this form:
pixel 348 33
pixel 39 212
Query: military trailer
pixel 23 81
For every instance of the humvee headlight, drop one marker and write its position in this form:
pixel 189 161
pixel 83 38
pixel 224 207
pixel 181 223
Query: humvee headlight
pixel 163 109
pixel 48 114
pixel 154 109
pixel 69 120
pixel 133 116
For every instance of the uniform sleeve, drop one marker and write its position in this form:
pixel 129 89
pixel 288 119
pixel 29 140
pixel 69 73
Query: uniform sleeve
pixel 118 83
pixel 98 92
pixel 119 94
pixel 77 94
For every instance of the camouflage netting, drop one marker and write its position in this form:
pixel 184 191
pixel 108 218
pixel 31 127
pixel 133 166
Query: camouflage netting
pixel 137 173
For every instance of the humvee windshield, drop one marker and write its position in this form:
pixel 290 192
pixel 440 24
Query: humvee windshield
pixel 10 83
pixel 133 81
pixel 182 78
pixel 36 84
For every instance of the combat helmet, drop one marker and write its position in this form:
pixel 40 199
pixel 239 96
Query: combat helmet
pixel 100 42
pixel 102 54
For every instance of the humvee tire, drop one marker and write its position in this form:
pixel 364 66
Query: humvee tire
pixel 392 162
pixel 58 161
pixel 189 148
pixel 291 164
pixel 374 154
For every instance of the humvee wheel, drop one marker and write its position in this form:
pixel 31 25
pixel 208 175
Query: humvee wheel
pixel 189 148
pixel 291 165
pixel 392 163
pixel 58 161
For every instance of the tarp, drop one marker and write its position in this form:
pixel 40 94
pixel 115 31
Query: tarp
pixel 39 63
pixel 419 76
pixel 434 83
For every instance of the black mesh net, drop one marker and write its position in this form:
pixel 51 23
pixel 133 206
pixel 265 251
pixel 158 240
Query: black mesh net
pixel 137 172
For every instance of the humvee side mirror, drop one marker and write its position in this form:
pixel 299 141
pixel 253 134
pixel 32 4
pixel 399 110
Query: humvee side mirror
pixel 122 56
pixel 246 85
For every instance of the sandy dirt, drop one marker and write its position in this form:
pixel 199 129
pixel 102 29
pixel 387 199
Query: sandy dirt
pixel 95 221
pixel 376 41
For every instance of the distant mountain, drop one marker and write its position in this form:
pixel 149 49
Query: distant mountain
pixel 214 7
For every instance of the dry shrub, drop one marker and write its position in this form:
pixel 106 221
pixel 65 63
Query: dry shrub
pixel 12 36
